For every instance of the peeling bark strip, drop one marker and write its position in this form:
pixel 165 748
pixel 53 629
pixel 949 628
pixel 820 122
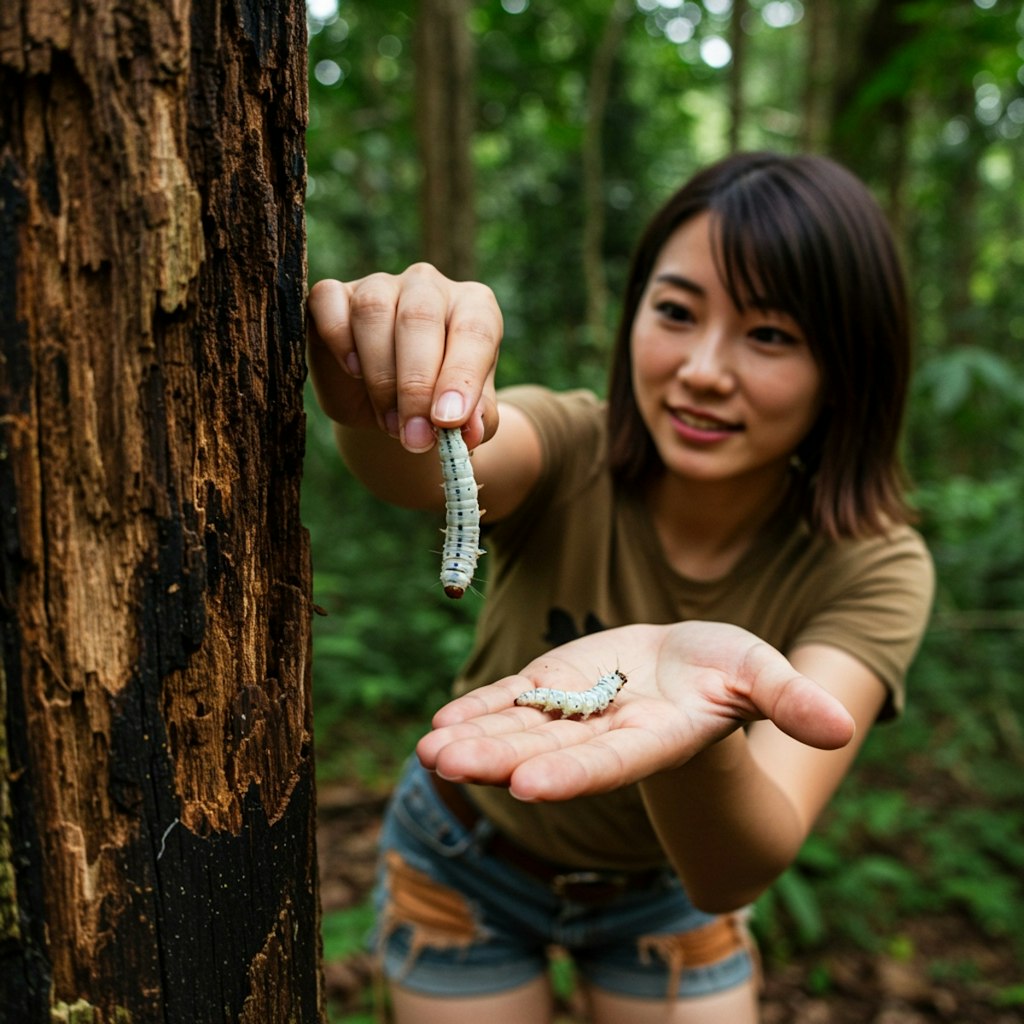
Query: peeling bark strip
pixel 157 858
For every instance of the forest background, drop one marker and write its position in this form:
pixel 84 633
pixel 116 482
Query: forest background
pixel 524 143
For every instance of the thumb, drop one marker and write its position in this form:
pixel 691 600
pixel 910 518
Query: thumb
pixel 807 712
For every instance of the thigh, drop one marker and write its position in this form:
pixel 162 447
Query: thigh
pixel 735 1006
pixel 528 1004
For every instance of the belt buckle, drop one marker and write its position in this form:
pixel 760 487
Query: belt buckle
pixel 563 883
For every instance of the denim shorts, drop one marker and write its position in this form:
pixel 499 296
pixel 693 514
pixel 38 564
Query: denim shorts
pixel 453 920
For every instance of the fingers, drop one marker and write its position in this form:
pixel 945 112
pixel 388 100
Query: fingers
pixel 465 384
pixel 487 715
pixel 708 679
pixel 483 701
pixel 552 760
pixel 333 363
pixel 423 348
pixel 488 750
pixel 406 385
pixel 614 759
pixel 482 736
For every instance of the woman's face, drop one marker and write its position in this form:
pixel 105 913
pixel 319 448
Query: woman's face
pixel 725 393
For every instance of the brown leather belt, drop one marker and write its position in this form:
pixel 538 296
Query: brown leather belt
pixel 574 884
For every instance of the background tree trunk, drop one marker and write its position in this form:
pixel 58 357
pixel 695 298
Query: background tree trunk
pixel 822 37
pixel 872 137
pixel 444 124
pixel 737 72
pixel 157 858
pixel 598 88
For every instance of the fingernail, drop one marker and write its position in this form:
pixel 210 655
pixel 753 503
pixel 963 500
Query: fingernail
pixel 391 422
pixel 352 365
pixel 418 434
pixel 449 406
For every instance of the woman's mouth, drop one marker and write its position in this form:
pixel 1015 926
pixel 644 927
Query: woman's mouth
pixel 701 426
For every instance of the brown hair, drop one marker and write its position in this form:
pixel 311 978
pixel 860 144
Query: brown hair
pixel 806 233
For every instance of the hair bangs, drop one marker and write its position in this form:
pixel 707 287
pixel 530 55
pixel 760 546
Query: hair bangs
pixel 758 249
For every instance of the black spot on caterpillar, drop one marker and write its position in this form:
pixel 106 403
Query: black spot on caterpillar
pixel 462 515
pixel 575 702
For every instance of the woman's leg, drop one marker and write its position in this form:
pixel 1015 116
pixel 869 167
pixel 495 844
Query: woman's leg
pixel 689 968
pixel 734 1006
pixel 459 935
pixel 529 1004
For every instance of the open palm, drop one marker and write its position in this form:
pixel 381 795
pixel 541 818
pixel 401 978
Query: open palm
pixel 689 685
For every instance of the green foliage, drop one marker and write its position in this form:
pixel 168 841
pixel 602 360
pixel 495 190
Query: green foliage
pixel 933 819
pixel 1012 995
pixel 344 932
pixel 931 822
pixel 389 641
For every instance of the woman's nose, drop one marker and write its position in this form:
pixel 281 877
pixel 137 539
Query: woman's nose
pixel 706 365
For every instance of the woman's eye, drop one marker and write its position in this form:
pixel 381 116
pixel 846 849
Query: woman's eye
pixel 772 336
pixel 674 311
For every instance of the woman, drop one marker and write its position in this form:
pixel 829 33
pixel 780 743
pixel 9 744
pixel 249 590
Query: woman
pixel 728 532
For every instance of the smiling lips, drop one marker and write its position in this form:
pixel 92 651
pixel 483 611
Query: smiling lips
pixel 701 425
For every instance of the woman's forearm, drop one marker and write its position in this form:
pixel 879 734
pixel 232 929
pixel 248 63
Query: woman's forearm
pixel 727 827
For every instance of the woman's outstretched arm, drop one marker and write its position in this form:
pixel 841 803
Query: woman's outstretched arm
pixel 731 807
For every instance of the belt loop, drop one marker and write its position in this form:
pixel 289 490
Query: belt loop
pixel 483 832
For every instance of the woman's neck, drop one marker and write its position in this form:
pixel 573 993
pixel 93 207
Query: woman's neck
pixel 706 527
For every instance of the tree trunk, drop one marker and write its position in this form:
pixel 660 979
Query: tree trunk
pixel 822 35
pixel 871 137
pixel 598 88
pixel 737 72
pixel 444 123
pixel 157 810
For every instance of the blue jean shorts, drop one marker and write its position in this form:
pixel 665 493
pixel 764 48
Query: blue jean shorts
pixel 454 920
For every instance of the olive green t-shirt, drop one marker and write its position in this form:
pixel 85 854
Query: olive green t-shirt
pixel 581 555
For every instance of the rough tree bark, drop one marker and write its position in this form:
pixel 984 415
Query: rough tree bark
pixel 157 858
pixel 444 125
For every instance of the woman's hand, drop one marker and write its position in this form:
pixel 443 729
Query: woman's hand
pixel 406 353
pixel 689 685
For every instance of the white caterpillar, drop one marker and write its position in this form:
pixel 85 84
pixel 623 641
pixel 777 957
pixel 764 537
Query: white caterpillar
pixel 575 702
pixel 462 515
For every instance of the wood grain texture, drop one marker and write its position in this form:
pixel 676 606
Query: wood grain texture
pixel 155 580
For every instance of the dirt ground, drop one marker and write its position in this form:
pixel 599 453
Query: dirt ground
pixel 841 985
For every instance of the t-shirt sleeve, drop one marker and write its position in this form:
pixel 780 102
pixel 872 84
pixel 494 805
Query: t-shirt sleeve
pixel 875 605
pixel 569 425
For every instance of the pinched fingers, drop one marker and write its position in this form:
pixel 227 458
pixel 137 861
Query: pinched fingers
pixel 421 318
pixel 352 349
pixel 427 348
pixel 333 361
pixel 373 316
pixel 422 347
pixel 386 334
pixel 465 383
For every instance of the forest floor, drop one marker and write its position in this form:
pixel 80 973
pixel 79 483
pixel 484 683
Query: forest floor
pixel 948 971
